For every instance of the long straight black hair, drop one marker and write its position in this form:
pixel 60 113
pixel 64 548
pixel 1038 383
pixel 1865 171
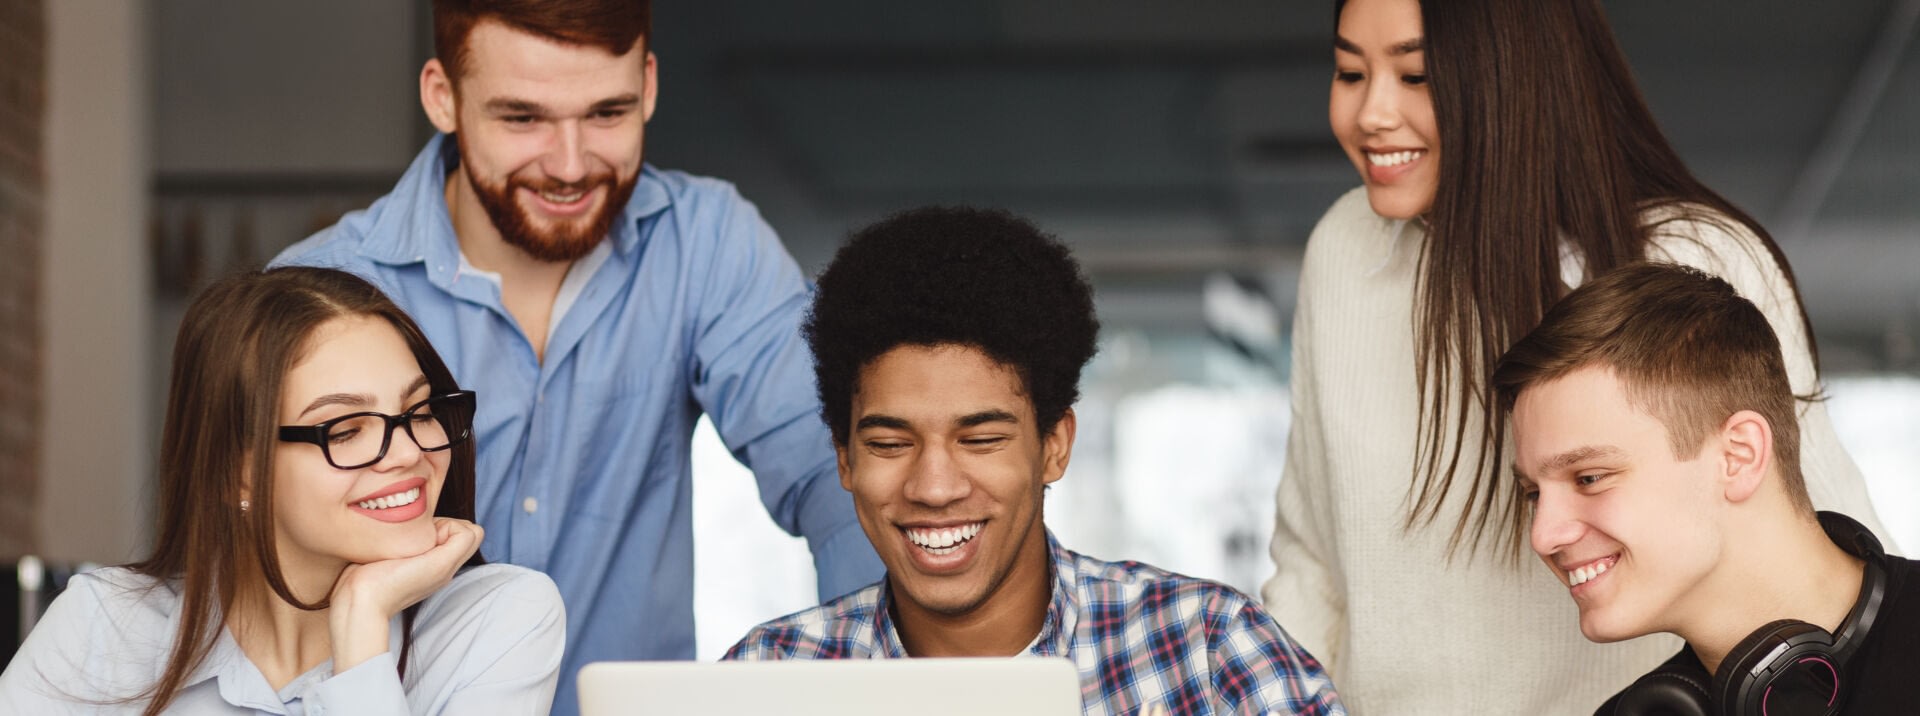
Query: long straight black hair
pixel 236 344
pixel 1545 138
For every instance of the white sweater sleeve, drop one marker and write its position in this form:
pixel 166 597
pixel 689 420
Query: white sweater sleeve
pixel 1303 594
pixel 1734 254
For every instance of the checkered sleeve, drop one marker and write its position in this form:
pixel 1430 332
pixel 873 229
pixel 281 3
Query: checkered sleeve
pixel 773 642
pixel 763 643
pixel 841 629
pixel 1257 668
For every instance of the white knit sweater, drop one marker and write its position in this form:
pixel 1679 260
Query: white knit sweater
pixel 1400 629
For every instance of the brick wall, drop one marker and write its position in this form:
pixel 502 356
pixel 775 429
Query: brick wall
pixel 23 103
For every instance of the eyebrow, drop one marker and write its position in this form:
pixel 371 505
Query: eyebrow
pixel 418 383
pixel 625 101
pixel 510 105
pixel 1404 47
pixel 514 106
pixel 347 399
pixel 880 421
pixel 1570 457
pixel 965 421
pixel 986 416
pixel 356 400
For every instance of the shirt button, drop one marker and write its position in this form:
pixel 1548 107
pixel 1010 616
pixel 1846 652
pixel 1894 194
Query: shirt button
pixel 530 505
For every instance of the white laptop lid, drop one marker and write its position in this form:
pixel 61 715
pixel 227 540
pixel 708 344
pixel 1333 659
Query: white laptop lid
pixel 854 687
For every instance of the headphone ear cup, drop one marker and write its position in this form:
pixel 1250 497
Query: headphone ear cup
pixel 1668 691
pixel 1733 682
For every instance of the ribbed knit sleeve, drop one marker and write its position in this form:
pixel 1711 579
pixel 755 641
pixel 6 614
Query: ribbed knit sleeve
pixel 1302 594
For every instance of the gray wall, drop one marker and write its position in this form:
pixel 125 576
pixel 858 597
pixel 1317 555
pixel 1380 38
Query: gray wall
pixel 98 439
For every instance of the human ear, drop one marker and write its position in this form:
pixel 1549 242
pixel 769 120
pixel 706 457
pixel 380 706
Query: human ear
pixel 650 92
pixel 846 470
pixel 437 97
pixel 1746 454
pixel 244 500
pixel 1058 447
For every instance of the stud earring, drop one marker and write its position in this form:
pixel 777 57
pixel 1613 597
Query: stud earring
pixel 244 505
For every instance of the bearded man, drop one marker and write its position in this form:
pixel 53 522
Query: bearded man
pixel 598 306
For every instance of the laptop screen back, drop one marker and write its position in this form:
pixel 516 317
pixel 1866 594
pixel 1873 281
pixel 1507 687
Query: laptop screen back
pixel 889 687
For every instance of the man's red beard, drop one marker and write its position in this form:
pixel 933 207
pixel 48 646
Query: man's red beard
pixel 564 241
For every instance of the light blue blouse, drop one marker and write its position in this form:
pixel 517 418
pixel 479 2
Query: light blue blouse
pixel 489 642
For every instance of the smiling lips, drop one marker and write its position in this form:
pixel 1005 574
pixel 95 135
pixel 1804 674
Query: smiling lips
pixel 944 548
pixel 564 203
pixel 1590 571
pixel 942 541
pixel 398 502
pixel 1384 166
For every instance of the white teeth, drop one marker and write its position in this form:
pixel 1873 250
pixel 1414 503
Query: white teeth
pixel 1586 574
pixel 390 501
pixel 1393 159
pixel 562 198
pixel 943 540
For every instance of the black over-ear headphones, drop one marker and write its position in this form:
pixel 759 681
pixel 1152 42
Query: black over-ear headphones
pixel 1785 668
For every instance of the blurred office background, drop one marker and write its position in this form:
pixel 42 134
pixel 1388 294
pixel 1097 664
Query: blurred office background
pixel 1181 148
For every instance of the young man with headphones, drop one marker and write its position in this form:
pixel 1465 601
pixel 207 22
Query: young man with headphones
pixel 1656 451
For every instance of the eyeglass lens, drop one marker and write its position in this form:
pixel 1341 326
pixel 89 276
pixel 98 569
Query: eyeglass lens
pixel 357 440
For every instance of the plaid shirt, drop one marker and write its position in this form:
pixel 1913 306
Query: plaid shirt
pixel 1141 637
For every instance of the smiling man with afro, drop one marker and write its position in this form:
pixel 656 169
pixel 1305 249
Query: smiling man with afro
pixel 954 276
pixel 948 345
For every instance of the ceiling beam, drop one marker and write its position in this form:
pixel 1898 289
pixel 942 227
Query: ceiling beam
pixel 1848 124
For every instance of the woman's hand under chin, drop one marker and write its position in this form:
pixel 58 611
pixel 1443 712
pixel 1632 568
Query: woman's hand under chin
pixel 366 596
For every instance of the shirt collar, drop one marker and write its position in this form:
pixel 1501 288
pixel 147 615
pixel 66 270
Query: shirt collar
pixel 239 682
pixel 1063 611
pixel 224 647
pixel 415 215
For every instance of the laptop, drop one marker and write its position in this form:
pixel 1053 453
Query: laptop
pixel 853 687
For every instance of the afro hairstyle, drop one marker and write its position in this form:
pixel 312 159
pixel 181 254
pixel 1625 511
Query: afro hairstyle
pixel 980 278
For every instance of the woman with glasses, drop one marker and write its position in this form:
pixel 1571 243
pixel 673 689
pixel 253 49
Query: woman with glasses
pixel 1505 156
pixel 316 551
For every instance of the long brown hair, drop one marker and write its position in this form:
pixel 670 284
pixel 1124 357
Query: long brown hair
pixel 1545 138
pixel 236 344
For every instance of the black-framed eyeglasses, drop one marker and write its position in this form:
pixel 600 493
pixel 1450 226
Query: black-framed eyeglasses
pixel 356 440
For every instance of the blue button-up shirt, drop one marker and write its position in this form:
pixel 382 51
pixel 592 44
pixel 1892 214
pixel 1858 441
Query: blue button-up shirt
pixel 1143 639
pixel 584 466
